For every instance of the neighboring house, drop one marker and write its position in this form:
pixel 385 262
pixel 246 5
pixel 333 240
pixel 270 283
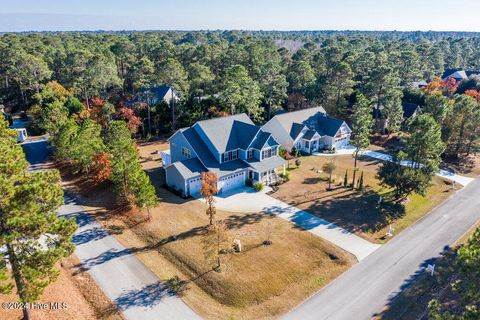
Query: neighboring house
pixel 410 110
pixel 459 74
pixel 419 84
pixel 308 130
pixel 155 94
pixel 232 147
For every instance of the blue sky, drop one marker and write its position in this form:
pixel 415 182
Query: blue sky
pixel 454 15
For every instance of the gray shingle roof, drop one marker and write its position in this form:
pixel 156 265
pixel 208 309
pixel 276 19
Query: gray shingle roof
pixel 309 134
pixel 327 126
pixel 189 168
pixel 289 120
pixel 226 134
pixel 207 158
pixel 260 140
pixel 266 164
pixel 295 130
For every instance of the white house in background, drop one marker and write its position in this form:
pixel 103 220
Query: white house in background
pixel 308 130
pixel 232 147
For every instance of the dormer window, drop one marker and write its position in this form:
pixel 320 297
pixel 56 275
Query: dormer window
pixel 268 153
pixel 250 154
pixel 186 152
pixel 230 156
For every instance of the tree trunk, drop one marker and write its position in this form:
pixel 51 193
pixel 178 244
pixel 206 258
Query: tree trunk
pixel 12 257
pixel 355 168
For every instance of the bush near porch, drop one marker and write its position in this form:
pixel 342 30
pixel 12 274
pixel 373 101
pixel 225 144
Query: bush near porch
pixel 356 211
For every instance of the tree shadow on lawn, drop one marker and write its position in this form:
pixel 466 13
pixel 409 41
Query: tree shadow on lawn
pixel 114 254
pixel 241 220
pixel 356 212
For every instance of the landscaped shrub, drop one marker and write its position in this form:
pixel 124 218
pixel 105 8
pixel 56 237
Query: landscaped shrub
pixel 282 152
pixel 285 175
pixel 334 149
pixel 249 182
pixel 298 162
pixel 258 186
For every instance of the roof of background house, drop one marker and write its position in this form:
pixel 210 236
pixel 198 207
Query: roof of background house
pixel 266 164
pixel 295 130
pixel 189 168
pixel 292 122
pixel 459 73
pixel 309 134
pixel 228 133
pixel 159 91
pixel 409 109
pixel 327 126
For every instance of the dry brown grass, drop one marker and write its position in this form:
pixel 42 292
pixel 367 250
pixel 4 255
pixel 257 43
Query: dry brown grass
pixel 149 156
pixel 262 282
pixel 84 299
pixel 353 210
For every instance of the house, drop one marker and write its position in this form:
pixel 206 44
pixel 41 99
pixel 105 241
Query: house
pixel 410 110
pixel 156 94
pixel 459 74
pixel 308 130
pixel 232 147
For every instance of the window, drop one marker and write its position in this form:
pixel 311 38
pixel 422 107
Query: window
pixel 230 156
pixel 307 144
pixel 268 153
pixel 250 154
pixel 186 152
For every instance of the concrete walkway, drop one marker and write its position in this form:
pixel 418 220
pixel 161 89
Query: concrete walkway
pixel 442 173
pixel 136 291
pixel 247 200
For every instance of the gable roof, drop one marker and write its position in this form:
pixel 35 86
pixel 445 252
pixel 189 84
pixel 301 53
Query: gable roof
pixel 459 74
pixel 228 133
pixel 294 122
pixel 207 158
pixel 327 126
pixel 309 134
pixel 409 109
pixel 296 130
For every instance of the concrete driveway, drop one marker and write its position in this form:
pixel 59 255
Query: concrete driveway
pixel 247 200
pixel 137 291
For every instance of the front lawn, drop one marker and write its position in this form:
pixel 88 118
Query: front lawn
pixel 353 210
pixel 261 282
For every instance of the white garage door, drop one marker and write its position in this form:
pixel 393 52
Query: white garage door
pixel 195 185
pixel 231 182
pixel 341 143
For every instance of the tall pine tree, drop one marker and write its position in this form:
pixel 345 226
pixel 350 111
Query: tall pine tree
pixel 34 237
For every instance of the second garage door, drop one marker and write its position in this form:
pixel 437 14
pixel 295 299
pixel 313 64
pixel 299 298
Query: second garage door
pixel 232 181
pixel 194 186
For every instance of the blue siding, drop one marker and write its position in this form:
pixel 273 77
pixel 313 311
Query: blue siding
pixel 174 179
pixel 177 142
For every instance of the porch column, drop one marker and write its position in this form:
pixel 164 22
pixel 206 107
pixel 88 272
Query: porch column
pixel 284 169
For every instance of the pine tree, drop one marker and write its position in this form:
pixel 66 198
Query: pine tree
pixel 362 122
pixel 360 183
pixel 34 237
pixel 130 181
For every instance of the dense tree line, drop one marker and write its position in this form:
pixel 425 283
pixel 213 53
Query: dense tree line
pixel 228 71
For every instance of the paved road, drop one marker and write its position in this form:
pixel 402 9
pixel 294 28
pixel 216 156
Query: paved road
pixel 248 200
pixel 136 291
pixel 369 285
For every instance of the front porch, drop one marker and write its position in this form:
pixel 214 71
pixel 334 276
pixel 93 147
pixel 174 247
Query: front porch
pixel 266 171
